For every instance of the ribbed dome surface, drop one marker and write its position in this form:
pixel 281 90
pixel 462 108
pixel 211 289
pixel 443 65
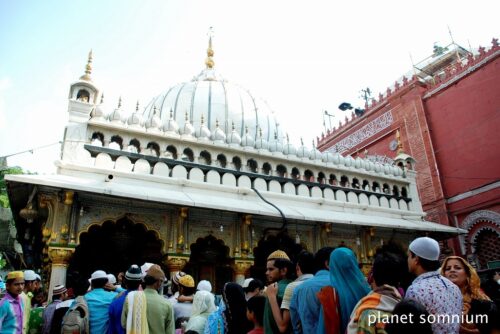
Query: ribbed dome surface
pixel 217 100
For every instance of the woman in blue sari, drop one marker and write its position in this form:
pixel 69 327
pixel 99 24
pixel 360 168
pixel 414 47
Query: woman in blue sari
pixel 348 286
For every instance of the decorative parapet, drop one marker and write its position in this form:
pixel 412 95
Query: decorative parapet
pixel 456 70
pixel 60 256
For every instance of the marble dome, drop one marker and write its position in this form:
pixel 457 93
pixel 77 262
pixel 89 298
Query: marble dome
pixel 210 96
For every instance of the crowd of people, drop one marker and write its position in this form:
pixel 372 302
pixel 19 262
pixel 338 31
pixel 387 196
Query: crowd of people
pixel 325 292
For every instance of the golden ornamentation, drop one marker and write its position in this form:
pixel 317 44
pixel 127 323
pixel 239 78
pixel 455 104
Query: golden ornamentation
pixel 176 263
pixel 60 256
pixel 68 197
pixel 183 212
pixel 240 267
pixel 29 213
pixel 88 69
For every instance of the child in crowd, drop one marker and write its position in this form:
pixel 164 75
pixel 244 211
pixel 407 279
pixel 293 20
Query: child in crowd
pixel 255 313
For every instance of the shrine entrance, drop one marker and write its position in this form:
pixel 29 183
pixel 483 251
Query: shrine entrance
pixel 209 260
pixel 114 246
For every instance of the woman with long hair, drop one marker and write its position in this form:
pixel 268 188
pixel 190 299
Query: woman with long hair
pixel 460 272
pixel 231 318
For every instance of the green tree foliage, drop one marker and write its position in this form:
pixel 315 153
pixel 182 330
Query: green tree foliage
pixel 4 199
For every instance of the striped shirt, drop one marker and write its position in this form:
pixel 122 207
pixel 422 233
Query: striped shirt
pixel 11 315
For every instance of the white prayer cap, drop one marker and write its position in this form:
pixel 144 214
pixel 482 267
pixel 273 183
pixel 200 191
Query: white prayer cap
pixel 426 248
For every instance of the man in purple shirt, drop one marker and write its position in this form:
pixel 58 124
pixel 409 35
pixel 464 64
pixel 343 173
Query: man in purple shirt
pixel 11 306
pixel 440 297
pixel 305 305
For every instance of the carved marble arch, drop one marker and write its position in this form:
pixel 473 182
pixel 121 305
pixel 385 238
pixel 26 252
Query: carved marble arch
pixel 481 215
pixel 308 175
pixel 99 136
pixel 281 171
pixel 117 139
pixel 83 95
pixel 252 165
pixel 404 192
pixel 187 155
pixel 171 152
pixel 295 173
pixel 332 180
pixel 266 168
pixel 395 191
pixel 115 244
pixel 154 148
pixel 206 157
pixel 236 163
pixel 221 160
pixel 321 177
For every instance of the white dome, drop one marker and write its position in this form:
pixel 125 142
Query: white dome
pixel 302 151
pixel 233 138
pixel 171 126
pixel 218 136
pixel 116 116
pixel 153 123
pixel 275 144
pixel 135 120
pixel 187 129
pixel 261 143
pixel 248 139
pixel 210 95
pixel 203 133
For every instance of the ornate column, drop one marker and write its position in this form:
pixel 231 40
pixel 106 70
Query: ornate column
pixel 183 212
pixel 59 256
pixel 241 266
pixel 246 223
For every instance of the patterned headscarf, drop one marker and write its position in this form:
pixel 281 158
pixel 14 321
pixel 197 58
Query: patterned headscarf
pixel 473 288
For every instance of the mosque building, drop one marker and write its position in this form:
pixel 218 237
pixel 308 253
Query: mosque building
pixel 202 180
pixel 445 115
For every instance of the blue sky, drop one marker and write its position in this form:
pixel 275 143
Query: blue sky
pixel 301 57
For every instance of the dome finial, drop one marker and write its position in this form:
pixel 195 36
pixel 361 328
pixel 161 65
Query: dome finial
pixel 102 98
pixel 202 119
pixel 216 123
pixel 287 138
pixel 210 52
pixel 233 125
pixel 137 106
pixel 187 117
pixel 155 110
pixel 88 68
pixel 246 129
pixel 260 132
pixel 171 113
pixel 119 102
pixel 301 141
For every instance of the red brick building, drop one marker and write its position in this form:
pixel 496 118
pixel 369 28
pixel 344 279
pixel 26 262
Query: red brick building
pixel 447 118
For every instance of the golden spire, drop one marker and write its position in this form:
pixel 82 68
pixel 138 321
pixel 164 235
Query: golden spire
pixel 400 144
pixel 210 52
pixel 88 69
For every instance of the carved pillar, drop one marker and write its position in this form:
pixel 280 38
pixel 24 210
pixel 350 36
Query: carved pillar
pixel 245 226
pixel 325 229
pixel 241 266
pixel 183 212
pixel 59 256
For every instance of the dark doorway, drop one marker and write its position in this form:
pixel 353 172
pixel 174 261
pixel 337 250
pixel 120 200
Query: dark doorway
pixel 210 260
pixel 114 246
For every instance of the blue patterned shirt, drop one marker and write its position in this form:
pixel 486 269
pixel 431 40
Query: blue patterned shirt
pixel 11 315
